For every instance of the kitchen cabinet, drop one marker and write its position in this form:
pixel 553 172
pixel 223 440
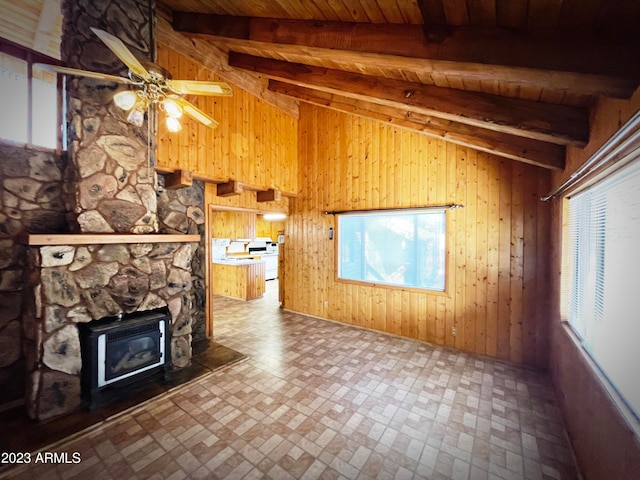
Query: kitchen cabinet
pixel 242 279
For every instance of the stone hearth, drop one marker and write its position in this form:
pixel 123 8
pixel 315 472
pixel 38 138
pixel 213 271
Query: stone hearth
pixel 79 283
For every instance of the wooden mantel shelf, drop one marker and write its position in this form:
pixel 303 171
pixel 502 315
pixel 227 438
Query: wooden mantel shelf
pixel 106 238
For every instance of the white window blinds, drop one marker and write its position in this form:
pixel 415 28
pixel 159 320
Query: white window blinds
pixel 603 304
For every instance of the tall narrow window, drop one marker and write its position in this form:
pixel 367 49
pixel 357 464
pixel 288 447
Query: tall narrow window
pixel 31 99
pixel 401 249
pixel 603 261
pixel 44 109
pixel 14 95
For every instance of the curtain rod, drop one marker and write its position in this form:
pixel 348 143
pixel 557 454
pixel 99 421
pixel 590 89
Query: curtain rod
pixel 401 209
pixel 604 155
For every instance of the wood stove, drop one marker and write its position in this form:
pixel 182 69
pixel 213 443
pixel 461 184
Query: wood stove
pixel 124 353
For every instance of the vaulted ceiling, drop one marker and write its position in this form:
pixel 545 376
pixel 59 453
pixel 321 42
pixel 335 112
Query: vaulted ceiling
pixel 516 78
pixel 34 24
pixel 513 77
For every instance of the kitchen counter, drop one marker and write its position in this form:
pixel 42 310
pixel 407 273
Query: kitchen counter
pixel 242 278
pixel 243 261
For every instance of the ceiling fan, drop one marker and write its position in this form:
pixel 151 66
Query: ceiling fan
pixel 151 84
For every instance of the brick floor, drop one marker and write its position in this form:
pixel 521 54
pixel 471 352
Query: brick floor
pixel 317 399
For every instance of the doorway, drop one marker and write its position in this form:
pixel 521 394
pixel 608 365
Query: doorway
pixel 240 223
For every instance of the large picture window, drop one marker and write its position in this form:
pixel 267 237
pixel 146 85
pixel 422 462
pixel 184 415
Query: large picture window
pixel 602 260
pixel 400 249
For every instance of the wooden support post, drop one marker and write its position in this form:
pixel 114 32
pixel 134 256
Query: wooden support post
pixel 232 187
pixel 179 179
pixel 270 195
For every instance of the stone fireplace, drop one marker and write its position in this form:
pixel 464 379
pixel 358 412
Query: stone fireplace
pixel 87 279
pixel 123 351
pixel 115 260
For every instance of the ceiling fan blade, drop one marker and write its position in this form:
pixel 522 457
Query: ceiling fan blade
pixel 122 52
pixel 197 87
pixel 83 73
pixel 194 112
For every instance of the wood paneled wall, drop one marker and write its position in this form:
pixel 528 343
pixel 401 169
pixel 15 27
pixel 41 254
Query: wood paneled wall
pixel 269 229
pixel 226 224
pixel 497 245
pixel 254 142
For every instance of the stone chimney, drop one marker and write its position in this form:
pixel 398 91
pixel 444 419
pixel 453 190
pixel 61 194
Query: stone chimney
pixel 111 187
pixel 110 179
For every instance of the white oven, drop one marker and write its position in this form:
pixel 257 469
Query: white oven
pixel 270 266
pixel 268 250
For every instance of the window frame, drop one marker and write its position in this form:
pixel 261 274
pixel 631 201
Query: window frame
pixel 338 279
pixel 31 57
pixel 571 273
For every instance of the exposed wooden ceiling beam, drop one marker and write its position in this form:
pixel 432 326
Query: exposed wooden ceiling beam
pixel 216 60
pixel 178 179
pixel 270 195
pixel 229 189
pixel 533 152
pixel 558 124
pixel 435 25
pixel 570 52
pixel 474 74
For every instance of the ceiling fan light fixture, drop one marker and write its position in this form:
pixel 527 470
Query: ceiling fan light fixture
pixel 125 99
pixel 173 125
pixel 152 84
pixel 171 108
pixel 136 116
pixel 200 116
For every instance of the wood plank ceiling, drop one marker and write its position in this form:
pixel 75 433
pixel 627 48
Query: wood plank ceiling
pixel 35 24
pixel 516 78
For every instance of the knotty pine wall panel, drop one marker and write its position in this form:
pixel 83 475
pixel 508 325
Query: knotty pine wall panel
pixel 497 245
pixel 229 224
pixel 254 142
pixel 268 229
